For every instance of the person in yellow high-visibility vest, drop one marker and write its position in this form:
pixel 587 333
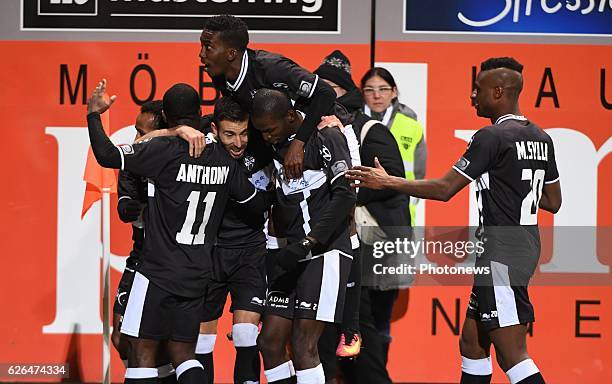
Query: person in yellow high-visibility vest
pixel 380 94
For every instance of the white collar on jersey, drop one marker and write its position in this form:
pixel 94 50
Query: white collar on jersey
pixel 510 116
pixel 243 70
pixel 386 118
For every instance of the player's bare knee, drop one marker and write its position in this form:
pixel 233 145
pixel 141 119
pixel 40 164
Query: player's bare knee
pixel 470 348
pixel 269 344
pixel 304 344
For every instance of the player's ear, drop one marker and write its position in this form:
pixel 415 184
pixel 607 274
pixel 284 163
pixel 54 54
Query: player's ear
pixel 499 92
pixel 213 126
pixel 232 53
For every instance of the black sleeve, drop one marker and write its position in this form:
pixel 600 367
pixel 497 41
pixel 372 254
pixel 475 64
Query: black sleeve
pixel 244 193
pixel 552 174
pixel 128 186
pixel 307 85
pixel 380 143
pixel 147 158
pixel 337 161
pixel 480 155
pixel 103 149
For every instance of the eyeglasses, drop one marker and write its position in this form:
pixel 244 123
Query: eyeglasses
pixel 380 90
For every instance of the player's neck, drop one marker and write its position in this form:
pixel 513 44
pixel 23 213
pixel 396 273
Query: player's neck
pixel 234 70
pixel 513 110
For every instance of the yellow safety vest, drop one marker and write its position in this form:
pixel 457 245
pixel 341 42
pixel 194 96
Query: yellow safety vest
pixel 407 133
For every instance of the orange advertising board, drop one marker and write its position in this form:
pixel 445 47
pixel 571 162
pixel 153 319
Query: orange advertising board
pixel 51 280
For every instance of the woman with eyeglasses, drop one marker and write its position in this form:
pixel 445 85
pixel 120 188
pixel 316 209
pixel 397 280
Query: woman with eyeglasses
pixel 381 103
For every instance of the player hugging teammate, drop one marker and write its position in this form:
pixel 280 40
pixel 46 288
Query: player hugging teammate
pixel 204 221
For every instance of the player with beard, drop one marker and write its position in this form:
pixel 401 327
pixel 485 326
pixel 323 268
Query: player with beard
pixel 307 283
pixel 239 255
pixel 187 198
pixel 513 164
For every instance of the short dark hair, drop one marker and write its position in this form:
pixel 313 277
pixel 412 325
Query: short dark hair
pixel 182 105
pixel 271 102
pixel 381 72
pixel 226 109
pixel 232 30
pixel 155 108
pixel 501 62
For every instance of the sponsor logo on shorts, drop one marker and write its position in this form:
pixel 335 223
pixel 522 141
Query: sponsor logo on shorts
pixel 257 301
pixel 488 316
pixel 278 300
pixel 305 305
pixel 120 299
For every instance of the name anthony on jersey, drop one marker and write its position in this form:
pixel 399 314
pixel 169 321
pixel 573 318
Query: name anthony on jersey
pixel 193 173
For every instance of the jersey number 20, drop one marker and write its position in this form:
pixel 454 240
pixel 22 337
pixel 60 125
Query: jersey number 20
pixel 185 236
pixel 529 207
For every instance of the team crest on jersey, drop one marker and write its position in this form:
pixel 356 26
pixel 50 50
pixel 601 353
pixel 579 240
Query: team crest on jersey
pixel 249 162
pixel 304 89
pixel 462 163
pixel 126 149
pixel 325 153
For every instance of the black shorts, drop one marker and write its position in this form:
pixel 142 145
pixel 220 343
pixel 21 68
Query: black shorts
pixel 315 290
pixel 242 273
pixel 153 313
pixel 123 290
pixel 500 298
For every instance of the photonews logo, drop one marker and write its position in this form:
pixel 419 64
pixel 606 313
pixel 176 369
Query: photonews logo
pixel 67 7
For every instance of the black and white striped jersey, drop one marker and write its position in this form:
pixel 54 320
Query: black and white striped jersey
pixel 319 203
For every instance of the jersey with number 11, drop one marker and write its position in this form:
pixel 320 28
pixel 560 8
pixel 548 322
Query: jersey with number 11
pixel 186 200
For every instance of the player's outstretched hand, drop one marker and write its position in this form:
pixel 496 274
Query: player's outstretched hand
pixel 373 178
pixel 128 210
pixel 330 121
pixel 294 160
pixel 195 138
pixel 99 100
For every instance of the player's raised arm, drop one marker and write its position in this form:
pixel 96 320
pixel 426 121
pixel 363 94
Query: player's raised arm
pixel 105 152
pixel 144 159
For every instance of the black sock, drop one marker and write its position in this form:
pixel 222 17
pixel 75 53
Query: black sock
pixel 533 379
pixel 248 365
pixel 193 375
pixel 289 380
pixel 206 359
pixel 168 379
pixel 466 378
